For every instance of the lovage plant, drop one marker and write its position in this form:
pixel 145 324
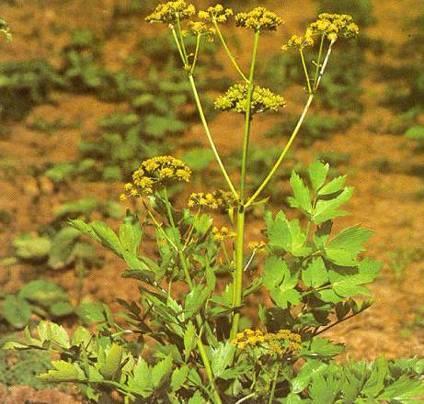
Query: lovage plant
pixel 192 337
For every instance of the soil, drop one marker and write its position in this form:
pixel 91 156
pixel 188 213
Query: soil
pixel 386 198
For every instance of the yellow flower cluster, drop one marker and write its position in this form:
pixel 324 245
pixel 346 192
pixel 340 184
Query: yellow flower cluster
pixel 216 13
pixel 235 99
pixel 169 12
pixel 201 28
pixel 259 19
pixel 257 246
pixel 299 42
pixel 280 343
pixel 155 173
pixel 222 234
pixel 334 26
pixel 212 200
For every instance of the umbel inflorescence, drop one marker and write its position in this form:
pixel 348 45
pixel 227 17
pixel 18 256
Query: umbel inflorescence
pixel 154 174
pixel 236 99
pixel 279 343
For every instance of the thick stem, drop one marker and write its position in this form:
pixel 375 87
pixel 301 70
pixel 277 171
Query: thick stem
pixel 238 273
pixel 209 136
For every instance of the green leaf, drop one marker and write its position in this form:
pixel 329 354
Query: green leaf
pixel 16 311
pixel 190 340
pixel 334 186
pixel 375 383
pixel 63 371
pixel 61 309
pixel 92 312
pixel 62 247
pixel 32 248
pixel 329 209
pixel 286 235
pixel 196 398
pixel 161 371
pixel 179 377
pixel 130 234
pixel 315 275
pixel 344 249
pixel 44 293
pixel 302 379
pixel 403 390
pixel 141 381
pixel 222 357
pixel 53 333
pixel 107 237
pixel 112 362
pixel 280 283
pixel 318 172
pixel 82 206
pixel 195 300
pixel 302 196
pixel 324 348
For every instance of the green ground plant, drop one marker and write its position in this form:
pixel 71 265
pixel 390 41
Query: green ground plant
pixel 190 337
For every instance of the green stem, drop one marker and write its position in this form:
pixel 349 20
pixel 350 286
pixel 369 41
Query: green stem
pixel 239 262
pixel 183 260
pixel 180 35
pixel 274 384
pixel 209 136
pixel 177 42
pixel 196 54
pixel 295 132
pixel 318 66
pixel 227 50
pixel 305 69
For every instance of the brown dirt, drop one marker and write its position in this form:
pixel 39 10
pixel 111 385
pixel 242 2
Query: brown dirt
pixel 384 202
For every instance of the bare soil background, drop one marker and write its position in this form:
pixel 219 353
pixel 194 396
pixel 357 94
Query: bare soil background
pixel 385 202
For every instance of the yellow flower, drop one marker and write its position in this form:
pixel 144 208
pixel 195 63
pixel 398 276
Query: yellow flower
pixel 299 42
pixel 259 19
pixel 154 174
pixel 216 13
pixel 212 200
pixel 222 234
pixel 201 28
pixel 235 99
pixel 171 11
pixel 334 26
pixel 257 246
pixel 5 30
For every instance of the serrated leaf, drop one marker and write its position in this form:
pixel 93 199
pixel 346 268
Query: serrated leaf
pixel 53 333
pixel 329 209
pixel 141 381
pixel 344 249
pixel 222 357
pixel 315 275
pixel 196 398
pixel 107 237
pixel 375 383
pixel 302 196
pixel 161 371
pixel 112 362
pixel 325 348
pixel 403 390
pixel 334 186
pixel 318 172
pixel 16 311
pixel 179 377
pixel 190 340
pixel 195 300
pixel 280 282
pixel 63 371
pixel 302 379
